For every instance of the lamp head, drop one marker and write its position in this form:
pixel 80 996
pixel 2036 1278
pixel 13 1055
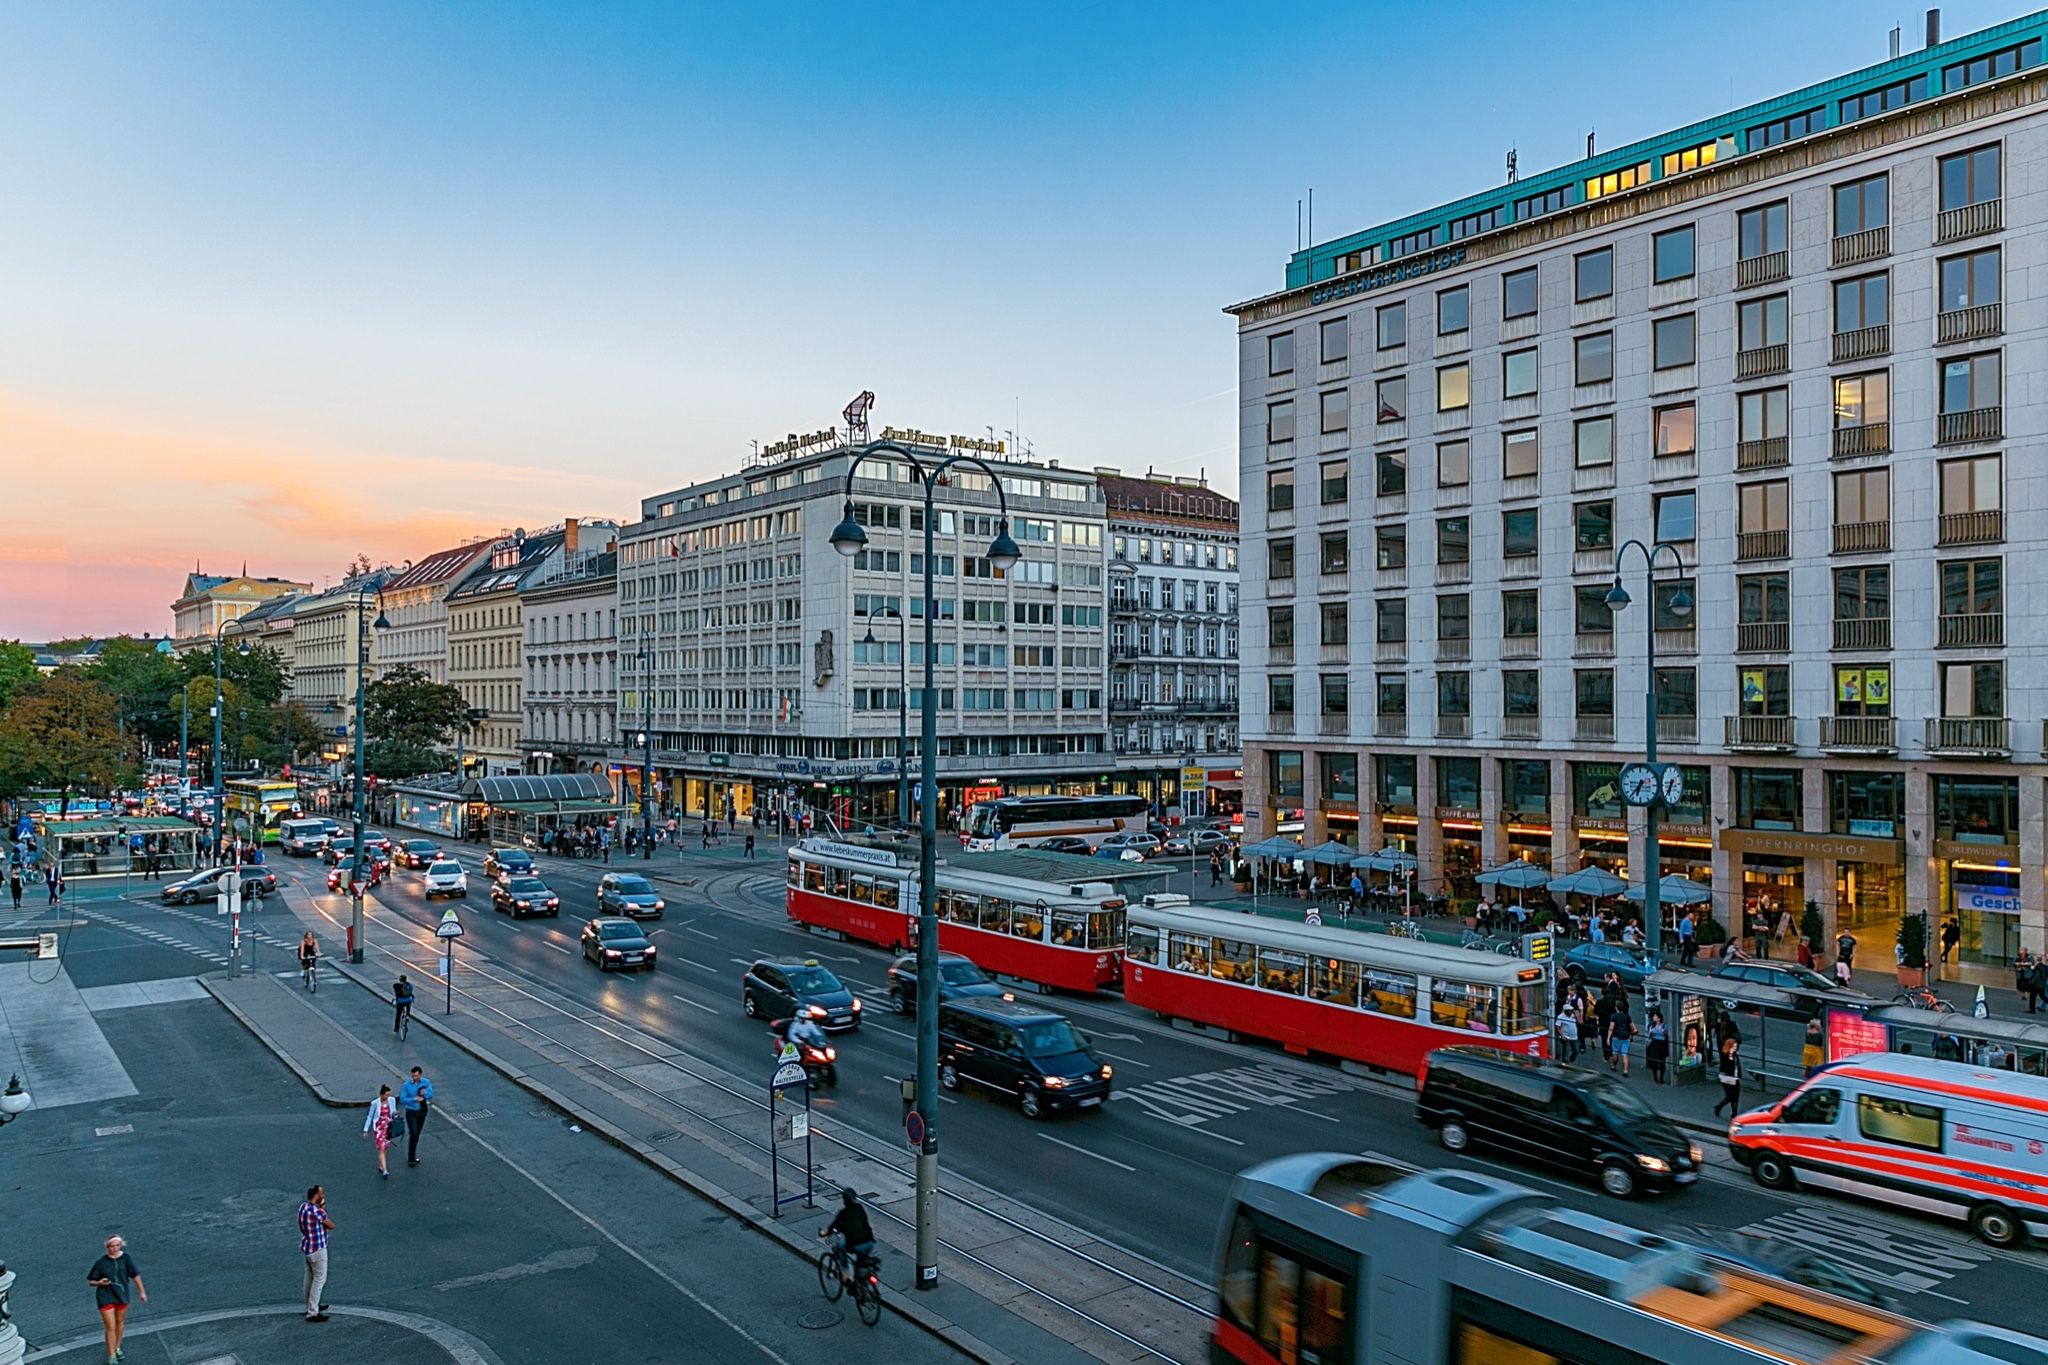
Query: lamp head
pixel 1617 596
pixel 1003 552
pixel 847 537
pixel 1680 603
pixel 869 638
pixel 14 1101
pixel 381 623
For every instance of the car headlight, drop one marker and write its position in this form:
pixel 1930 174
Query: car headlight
pixel 523 905
pixel 817 1011
pixel 1105 1071
pixel 856 1005
pixel 660 904
pixel 1653 1163
pixel 1055 1082
pixel 611 952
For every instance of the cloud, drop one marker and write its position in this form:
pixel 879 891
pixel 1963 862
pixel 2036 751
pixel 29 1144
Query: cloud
pixel 102 514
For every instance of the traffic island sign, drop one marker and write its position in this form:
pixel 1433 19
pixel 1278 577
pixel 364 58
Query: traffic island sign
pixel 448 930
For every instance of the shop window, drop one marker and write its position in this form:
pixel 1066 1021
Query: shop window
pixel 1869 805
pixel 1767 798
pixel 1596 791
pixel 1691 808
pixel 1339 776
pixel 1457 783
pixel 1394 781
pixel 1286 776
pixel 1976 810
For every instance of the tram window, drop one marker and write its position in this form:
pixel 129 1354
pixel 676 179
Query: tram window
pixel 1240 1274
pixel 796 872
pixel 836 882
pixel 864 890
pixel 1522 1010
pixel 993 914
pixel 1389 993
pixel 885 892
pixel 1105 928
pixel 1902 1122
pixel 1141 945
pixel 1815 1106
pixel 1027 922
pixel 1299 1310
pixel 1232 961
pixel 814 876
pixel 1477 1346
pixel 1070 928
pixel 1457 1004
pixel 1191 954
pixel 956 907
pixel 1333 980
pixel 1281 971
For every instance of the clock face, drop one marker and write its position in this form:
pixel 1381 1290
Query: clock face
pixel 1673 785
pixel 1639 784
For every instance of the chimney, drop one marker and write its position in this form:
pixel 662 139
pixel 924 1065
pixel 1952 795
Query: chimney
pixel 1933 27
pixel 569 536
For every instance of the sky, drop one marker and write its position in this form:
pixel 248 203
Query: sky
pixel 284 283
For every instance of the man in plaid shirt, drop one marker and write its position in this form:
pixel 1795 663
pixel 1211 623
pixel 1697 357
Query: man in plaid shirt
pixel 313 1229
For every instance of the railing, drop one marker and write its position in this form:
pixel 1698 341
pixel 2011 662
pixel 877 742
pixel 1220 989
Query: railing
pixel 1763 637
pixel 1978 736
pixel 1454 727
pixel 1952 225
pixel 1391 727
pixel 1869 734
pixel 1872 438
pixel 1333 654
pixel 1453 651
pixel 1757 732
pixel 1678 729
pixel 1968 324
pixel 1864 632
pixel 1763 360
pixel 1856 247
pixel 1521 647
pixel 1762 544
pixel 1972 629
pixel 1390 652
pixel 1521 727
pixel 1763 454
pixel 1972 528
pixel 1275 654
pixel 1335 725
pixel 1593 729
pixel 1976 424
pixel 1765 269
pixel 1863 343
pixel 1861 537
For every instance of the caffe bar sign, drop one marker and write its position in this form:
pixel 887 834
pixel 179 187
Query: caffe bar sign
pixel 1366 280
pixel 911 436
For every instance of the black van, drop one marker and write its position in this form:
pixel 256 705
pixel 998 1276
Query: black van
pixel 1554 1115
pixel 1022 1050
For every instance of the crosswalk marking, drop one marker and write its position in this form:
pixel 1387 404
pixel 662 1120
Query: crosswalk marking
pixel 1196 1099
pixel 1889 1255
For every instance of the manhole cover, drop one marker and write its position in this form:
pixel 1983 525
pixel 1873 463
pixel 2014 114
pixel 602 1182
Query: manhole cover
pixel 476 1114
pixel 820 1320
pixel 665 1135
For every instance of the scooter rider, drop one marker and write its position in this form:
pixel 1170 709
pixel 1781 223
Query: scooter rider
pixel 804 1032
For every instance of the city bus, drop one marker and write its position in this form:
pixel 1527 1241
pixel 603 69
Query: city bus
pixel 1375 999
pixel 258 804
pixel 1023 821
pixel 1066 936
pixel 1327 1258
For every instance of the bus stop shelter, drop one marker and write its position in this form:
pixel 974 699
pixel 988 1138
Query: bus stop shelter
pixel 519 807
pixel 1997 1044
pixel 1769 1020
pixel 120 846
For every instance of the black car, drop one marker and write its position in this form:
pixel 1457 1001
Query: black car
pixel 624 893
pixel 959 979
pixel 416 853
pixel 257 882
pixel 522 896
pixel 777 990
pixel 501 863
pixel 1548 1114
pixel 617 943
pixel 1066 844
pixel 1022 1050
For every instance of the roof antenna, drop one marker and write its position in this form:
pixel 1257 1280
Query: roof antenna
pixel 1589 142
pixel 1511 165
pixel 1297 225
pixel 1895 44
pixel 1311 219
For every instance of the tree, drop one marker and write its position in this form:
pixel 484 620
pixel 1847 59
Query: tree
pixel 1812 927
pixel 260 673
pixel 144 682
pixel 407 720
pixel 60 734
pixel 17 669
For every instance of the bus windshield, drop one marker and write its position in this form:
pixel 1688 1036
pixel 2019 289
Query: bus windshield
pixel 981 821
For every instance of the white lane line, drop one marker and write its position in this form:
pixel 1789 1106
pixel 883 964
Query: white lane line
pixel 560 949
pixel 700 933
pixel 693 1004
pixel 715 971
pixel 1130 1061
pixel 742 961
pixel 1085 1152
pixel 897 1031
pixel 1194 1127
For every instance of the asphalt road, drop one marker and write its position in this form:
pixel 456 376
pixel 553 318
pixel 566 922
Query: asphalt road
pixel 1150 1169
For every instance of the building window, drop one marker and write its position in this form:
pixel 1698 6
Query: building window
pixel 1671 256
pixel 1287 773
pixel 1393 694
pixel 1768 798
pixel 1677 429
pixel 1672 342
pixel 1280 626
pixel 1592 615
pixel 1614 182
pixel 1390 620
pixel 1336 694
pixel 1692 158
pixel 1518 533
pixel 1969 281
pixel 1863 690
pixel 1412 243
pixel 1454 540
pixel 1518 294
pixel 1536 205
pixel 1594 689
pixel 1280 695
pixel 1862 400
pixel 1454 464
pixel 1677 516
pixel 1391 473
pixel 1760 323
pixel 1760 231
pixel 1454 694
pixel 1593 526
pixel 1862 303
pixel 1763 507
pixel 1335 341
pixel 1991 66
pixel 1973 691
pixel 1520 692
pixel 1763 599
pixel 1760 416
pixel 1454 616
pixel 1976 810
pixel 1897 95
pixel 1453 311
pixel 1392 399
pixel 1969 383
pixel 1969 178
pixel 1474 223
pixel 1336 483
pixel 1863 594
pixel 1665 613
pixel 1863 496
pixel 1862 205
pixel 1335 552
pixel 1972 587
pixel 1518 614
pixel 1279 490
pixel 1336 405
pixel 1335 623
pixel 1970 485
pixel 1391 546
pixel 1280 557
pixel 1280 353
pixel 1593 275
pixel 1593 358
pixel 1518 374
pixel 1593 442
pixel 1518 458
pixel 1393 326
pixel 1279 423
pixel 1678 693
pixel 1785 129
pixel 1453 388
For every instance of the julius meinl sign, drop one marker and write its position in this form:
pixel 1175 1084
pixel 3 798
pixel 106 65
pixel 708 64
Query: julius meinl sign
pixel 1386 275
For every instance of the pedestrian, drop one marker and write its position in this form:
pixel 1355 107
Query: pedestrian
pixel 1603 1011
pixel 1730 1072
pixel 1621 1029
pixel 53 882
pixel 704 839
pixel 1567 1034
pixel 750 844
pixel 417 1095
pixel 1951 936
pixel 110 1277
pixel 377 1126
pixel 1216 869
pixel 1657 1050
pixel 401 1000
pixel 1845 948
pixel 1805 954
pixel 1812 1054
pixel 1842 972
pixel 14 886
pixel 314 1225
pixel 2037 985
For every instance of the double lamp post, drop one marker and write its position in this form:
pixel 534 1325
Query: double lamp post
pixel 1679 604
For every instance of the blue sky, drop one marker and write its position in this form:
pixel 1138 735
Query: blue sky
pixel 376 274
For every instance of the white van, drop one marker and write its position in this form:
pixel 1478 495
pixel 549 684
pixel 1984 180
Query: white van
pixel 302 838
pixel 1940 1137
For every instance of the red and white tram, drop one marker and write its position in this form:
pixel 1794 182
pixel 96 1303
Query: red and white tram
pixel 1370 998
pixel 1064 935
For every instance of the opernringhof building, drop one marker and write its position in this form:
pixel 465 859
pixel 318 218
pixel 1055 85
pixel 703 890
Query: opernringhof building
pixel 1794 343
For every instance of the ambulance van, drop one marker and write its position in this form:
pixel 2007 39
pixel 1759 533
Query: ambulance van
pixel 1941 1137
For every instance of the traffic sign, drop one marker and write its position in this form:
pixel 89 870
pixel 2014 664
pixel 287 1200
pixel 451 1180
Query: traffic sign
pixel 913 1128
pixel 449 927
pixel 787 1075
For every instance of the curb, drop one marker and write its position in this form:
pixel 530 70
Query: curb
pixel 944 1329
pixel 320 1092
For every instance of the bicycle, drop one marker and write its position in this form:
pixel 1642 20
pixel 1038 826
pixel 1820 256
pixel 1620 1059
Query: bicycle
pixel 1924 999
pixel 309 974
pixel 838 1269
pixel 404 1029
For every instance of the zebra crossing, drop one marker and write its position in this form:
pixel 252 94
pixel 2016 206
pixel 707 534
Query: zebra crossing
pixel 1194 1100
pixel 163 939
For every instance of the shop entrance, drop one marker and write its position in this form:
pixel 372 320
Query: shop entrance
pixel 1870 899
pixel 1772 886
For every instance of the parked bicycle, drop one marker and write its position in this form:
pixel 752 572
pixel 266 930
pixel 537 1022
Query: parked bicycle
pixel 839 1270
pixel 1921 998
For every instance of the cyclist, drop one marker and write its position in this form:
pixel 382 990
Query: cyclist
pixel 309 954
pixel 851 1222
pixel 401 999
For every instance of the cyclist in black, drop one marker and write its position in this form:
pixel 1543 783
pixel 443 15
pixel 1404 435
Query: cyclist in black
pixel 401 998
pixel 309 952
pixel 851 1222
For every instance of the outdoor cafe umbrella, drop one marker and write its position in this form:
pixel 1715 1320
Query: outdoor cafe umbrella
pixel 1521 874
pixel 1275 847
pixel 1392 861
pixel 1332 853
pixel 1673 889
pixel 1590 881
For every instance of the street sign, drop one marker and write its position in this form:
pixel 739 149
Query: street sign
pixel 917 791
pixel 1536 947
pixel 1314 916
pixel 913 1129
pixel 720 760
pixel 788 1076
pixel 449 927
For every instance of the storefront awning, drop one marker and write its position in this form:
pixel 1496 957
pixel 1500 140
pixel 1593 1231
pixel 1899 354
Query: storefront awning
pixel 556 807
pixel 508 792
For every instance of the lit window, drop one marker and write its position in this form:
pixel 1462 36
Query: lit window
pixel 1692 158
pixel 1614 182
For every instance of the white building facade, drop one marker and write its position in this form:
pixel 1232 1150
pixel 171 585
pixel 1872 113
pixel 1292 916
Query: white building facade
pixel 571 694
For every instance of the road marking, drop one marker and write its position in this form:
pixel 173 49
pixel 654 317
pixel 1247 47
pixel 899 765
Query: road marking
pixel 688 962
pixel 700 933
pixel 744 962
pixel 1909 1263
pixel 1195 1099
pixel 1072 1147
pixel 693 1004
pixel 897 1031
pixel 1192 1126
pixel 1127 1037
pixel 558 948
pixel 1127 1061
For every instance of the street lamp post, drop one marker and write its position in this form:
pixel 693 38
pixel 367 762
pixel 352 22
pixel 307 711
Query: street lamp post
pixel 357 881
pixel 902 711
pixel 1680 605
pixel 220 819
pixel 646 755
pixel 184 721
pixel 1003 554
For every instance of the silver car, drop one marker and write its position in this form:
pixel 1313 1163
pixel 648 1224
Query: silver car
pixel 445 878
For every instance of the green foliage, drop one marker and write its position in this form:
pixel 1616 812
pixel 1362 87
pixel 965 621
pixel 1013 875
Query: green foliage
pixel 59 733
pixel 1708 931
pixel 406 711
pixel 17 669
pixel 1913 942
pixel 1812 927
pixel 395 760
pixel 260 673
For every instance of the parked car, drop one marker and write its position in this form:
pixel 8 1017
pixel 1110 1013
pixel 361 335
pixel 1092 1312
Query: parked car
pixel 959 979
pixel 1786 976
pixel 257 882
pixel 617 943
pixel 1066 843
pixel 1022 1050
pixel 501 863
pixel 416 853
pixel 523 896
pixel 445 878
pixel 628 894
pixel 1144 844
pixel 1123 855
pixel 778 990
pixel 1593 961
pixel 1547 1114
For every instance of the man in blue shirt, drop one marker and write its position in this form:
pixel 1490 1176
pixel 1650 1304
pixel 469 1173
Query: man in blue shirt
pixel 417 1096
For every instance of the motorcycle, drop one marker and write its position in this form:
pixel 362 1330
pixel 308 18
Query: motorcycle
pixel 820 1063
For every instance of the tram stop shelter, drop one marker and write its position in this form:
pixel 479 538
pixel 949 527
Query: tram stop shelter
pixel 535 806
pixel 1999 1044
pixel 1698 1009
pixel 120 846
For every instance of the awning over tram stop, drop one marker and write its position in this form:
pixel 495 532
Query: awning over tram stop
pixel 526 804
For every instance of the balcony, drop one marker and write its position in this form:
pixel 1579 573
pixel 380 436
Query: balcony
pixel 1593 729
pixel 1763 360
pixel 1758 734
pixel 1972 528
pixel 1763 454
pixel 1454 727
pixel 1453 651
pixel 1863 343
pixel 1390 652
pixel 1864 632
pixel 1391 727
pixel 1976 424
pixel 1972 630
pixel 1521 647
pixel 1334 725
pixel 1678 730
pixel 1521 727
pixel 1862 537
pixel 1969 736
pixel 1762 545
pixel 1969 324
pixel 1766 269
pixel 1763 637
pixel 1872 438
pixel 1952 225
pixel 1858 735
pixel 1857 247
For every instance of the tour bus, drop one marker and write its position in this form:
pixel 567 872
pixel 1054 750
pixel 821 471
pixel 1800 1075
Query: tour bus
pixel 1945 1138
pixel 1377 999
pixel 1022 821
pixel 1329 1258
pixel 1063 935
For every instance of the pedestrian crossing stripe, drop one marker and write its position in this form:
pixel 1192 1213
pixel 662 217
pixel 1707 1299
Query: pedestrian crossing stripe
pixel 1196 1099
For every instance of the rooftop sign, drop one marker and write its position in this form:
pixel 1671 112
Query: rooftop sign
pixel 794 444
pixel 913 437
pixel 1364 280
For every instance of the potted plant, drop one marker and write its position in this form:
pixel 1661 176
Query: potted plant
pixel 1710 934
pixel 1241 876
pixel 1812 927
pixel 1913 951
